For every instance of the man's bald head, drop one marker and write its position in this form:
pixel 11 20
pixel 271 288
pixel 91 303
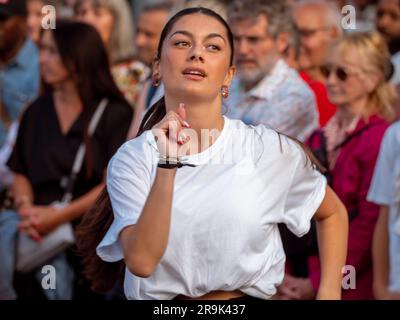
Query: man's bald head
pixel 319 24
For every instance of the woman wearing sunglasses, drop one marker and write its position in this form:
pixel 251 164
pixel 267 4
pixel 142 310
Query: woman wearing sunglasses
pixel 357 73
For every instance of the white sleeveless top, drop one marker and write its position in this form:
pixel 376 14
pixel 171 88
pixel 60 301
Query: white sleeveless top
pixel 223 233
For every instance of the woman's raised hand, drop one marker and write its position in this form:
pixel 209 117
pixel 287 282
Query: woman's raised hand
pixel 169 133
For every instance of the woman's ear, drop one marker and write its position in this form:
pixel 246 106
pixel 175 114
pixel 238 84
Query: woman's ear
pixel 334 33
pixel 156 66
pixel 229 76
pixel 371 82
pixel 282 42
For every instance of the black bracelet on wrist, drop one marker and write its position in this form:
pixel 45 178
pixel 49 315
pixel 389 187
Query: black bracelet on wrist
pixel 170 163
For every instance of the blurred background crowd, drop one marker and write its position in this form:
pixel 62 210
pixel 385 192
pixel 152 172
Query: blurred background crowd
pixel 302 69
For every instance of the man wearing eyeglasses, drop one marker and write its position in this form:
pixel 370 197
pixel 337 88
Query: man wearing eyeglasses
pixel 266 91
pixel 318 23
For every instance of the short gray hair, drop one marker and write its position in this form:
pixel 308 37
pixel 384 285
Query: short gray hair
pixel 276 13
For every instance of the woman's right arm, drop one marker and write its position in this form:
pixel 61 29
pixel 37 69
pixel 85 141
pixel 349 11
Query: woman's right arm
pixel 144 243
pixel 22 191
pixel 23 198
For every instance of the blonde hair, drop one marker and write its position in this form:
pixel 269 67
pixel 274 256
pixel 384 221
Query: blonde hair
pixel 373 53
pixel 122 42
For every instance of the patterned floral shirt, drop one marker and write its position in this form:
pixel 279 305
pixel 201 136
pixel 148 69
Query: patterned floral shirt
pixel 130 77
pixel 282 101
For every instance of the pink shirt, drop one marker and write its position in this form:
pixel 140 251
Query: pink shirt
pixel 352 176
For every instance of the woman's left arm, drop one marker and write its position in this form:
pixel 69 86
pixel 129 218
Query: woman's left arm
pixel 80 206
pixel 332 228
pixel 46 218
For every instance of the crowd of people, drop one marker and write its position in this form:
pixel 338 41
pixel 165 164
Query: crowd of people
pixel 113 74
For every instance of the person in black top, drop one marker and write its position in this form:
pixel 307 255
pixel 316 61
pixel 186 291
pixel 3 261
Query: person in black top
pixel 76 76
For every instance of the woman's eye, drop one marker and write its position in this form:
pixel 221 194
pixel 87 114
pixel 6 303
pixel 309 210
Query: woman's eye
pixel 213 47
pixel 182 43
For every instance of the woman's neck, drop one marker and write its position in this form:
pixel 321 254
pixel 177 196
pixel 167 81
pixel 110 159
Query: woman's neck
pixel 67 94
pixel 355 110
pixel 315 74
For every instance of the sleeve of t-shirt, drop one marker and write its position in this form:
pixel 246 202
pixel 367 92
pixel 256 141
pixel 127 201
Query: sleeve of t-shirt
pixel 128 186
pixel 305 192
pixel 381 189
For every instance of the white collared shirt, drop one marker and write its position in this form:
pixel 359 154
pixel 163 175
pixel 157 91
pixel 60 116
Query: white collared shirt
pixel 282 101
pixel 223 232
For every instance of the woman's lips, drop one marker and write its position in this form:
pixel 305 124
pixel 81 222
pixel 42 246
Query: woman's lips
pixel 193 76
pixel 194 73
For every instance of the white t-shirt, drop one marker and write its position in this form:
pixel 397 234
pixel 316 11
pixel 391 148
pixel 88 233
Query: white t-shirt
pixel 223 233
pixel 385 190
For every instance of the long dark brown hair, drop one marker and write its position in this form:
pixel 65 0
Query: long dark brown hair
pixel 83 54
pixel 96 222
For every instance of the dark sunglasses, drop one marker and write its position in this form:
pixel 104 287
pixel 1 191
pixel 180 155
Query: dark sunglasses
pixel 341 73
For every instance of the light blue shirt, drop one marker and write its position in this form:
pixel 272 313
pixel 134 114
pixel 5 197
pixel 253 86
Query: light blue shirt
pixel 385 190
pixel 19 83
pixel 281 100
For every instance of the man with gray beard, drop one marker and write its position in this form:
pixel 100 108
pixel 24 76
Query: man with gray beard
pixel 266 91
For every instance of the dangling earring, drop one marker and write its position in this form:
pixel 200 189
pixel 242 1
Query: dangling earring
pixel 225 92
pixel 155 81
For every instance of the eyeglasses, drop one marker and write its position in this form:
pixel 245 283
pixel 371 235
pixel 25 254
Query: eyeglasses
pixel 341 73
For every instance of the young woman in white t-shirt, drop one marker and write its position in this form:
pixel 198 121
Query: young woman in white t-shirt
pixel 201 222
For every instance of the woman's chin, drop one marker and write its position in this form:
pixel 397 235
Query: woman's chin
pixel 192 92
pixel 49 81
pixel 337 99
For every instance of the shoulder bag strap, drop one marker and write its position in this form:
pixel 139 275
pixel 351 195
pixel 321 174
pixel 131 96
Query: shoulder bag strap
pixel 80 155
